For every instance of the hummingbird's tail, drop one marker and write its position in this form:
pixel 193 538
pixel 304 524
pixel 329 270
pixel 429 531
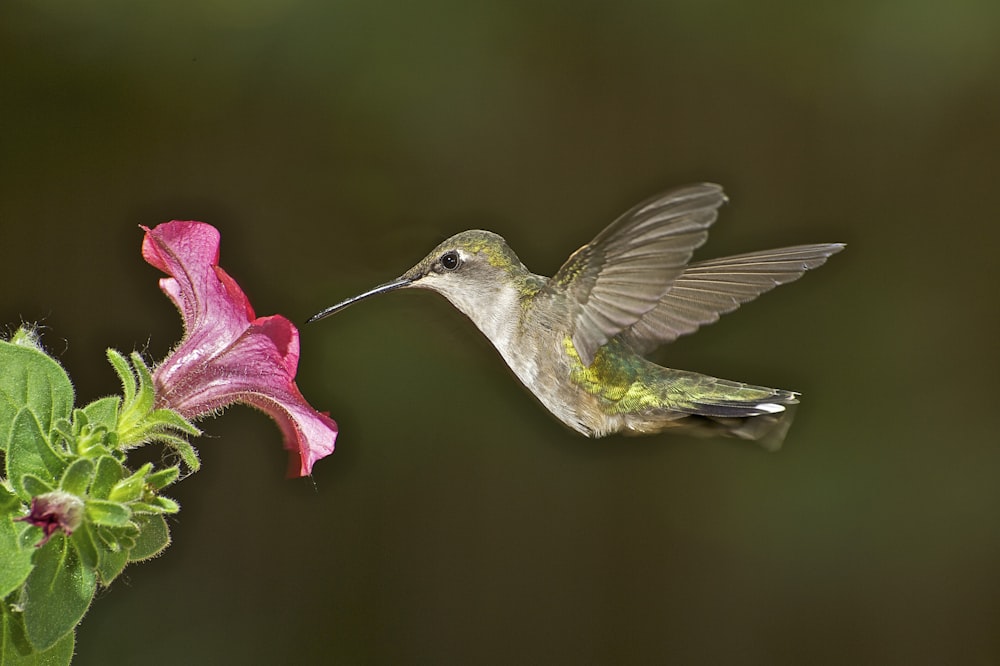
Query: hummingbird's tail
pixel 735 409
pixel 707 406
pixel 767 430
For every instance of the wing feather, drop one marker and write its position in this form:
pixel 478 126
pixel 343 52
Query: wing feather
pixel 620 276
pixel 708 289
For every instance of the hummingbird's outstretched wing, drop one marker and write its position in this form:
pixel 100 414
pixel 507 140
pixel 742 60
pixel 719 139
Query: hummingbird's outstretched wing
pixel 624 272
pixel 708 289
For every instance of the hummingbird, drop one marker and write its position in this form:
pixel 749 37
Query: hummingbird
pixel 578 340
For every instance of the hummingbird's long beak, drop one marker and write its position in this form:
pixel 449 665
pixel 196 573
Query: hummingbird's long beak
pixel 381 289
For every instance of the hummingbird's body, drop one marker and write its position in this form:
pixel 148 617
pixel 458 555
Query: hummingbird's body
pixel 577 340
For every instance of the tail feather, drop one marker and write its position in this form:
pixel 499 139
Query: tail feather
pixel 694 393
pixel 742 409
pixel 709 406
pixel 753 413
pixel 768 430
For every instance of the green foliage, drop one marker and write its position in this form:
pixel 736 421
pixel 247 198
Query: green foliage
pixel 31 381
pixel 72 514
pixel 29 452
pixel 56 594
pixel 15 561
pixel 16 650
pixel 138 423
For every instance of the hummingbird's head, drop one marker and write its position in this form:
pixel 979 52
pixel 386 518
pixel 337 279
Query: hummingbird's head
pixel 475 270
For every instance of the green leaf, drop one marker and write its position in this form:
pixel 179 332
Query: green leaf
pixel 170 418
pixel 62 428
pixel 112 563
pixel 165 504
pixel 35 486
pixel 15 650
pixel 77 477
pixel 103 412
pixel 79 436
pixel 183 448
pixel 107 539
pixel 56 594
pixel 145 396
pixel 111 514
pixel 86 546
pixel 27 535
pixel 109 472
pixel 31 379
pixel 153 537
pixel 163 478
pixel 127 541
pixel 155 505
pixel 29 452
pixel 15 561
pixel 9 502
pixel 131 488
pixel 124 373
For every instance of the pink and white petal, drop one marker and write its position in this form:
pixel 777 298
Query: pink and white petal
pixel 227 355
pixel 213 307
pixel 285 338
pixel 258 369
pixel 309 435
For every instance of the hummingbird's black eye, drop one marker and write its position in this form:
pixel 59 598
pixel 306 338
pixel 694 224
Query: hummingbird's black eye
pixel 450 260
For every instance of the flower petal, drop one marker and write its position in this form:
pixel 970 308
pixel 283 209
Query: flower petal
pixel 309 435
pixel 227 354
pixel 213 307
pixel 258 369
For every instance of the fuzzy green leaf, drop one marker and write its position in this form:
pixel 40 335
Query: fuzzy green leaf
pixel 111 514
pixel 77 477
pixel 127 541
pixel 31 380
pixel 34 486
pixel 29 452
pixel 86 546
pixel 56 594
pixel 156 504
pixel 166 504
pixel 183 449
pixel 9 502
pixel 62 428
pixel 170 418
pixel 103 412
pixel 163 478
pixel 109 472
pixel 112 563
pixel 107 539
pixel 15 650
pixel 131 488
pixel 94 428
pixel 153 537
pixel 124 373
pixel 15 561
pixel 145 397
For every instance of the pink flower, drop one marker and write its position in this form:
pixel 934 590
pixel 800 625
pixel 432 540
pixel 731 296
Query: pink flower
pixel 228 355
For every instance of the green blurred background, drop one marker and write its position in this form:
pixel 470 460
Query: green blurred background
pixel 335 143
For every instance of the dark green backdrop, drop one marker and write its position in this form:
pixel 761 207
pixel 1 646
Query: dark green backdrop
pixel 334 143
